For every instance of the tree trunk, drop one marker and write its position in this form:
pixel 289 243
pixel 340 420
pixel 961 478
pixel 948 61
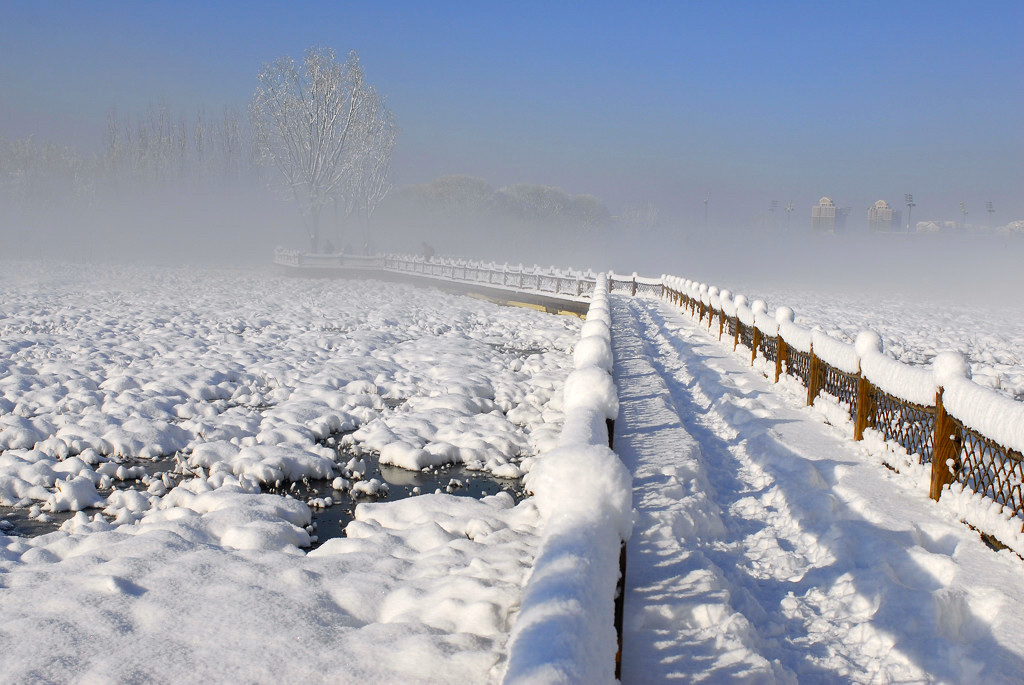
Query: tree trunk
pixel 314 230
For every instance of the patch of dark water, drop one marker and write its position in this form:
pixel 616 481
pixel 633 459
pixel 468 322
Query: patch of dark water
pixel 327 522
pixel 19 521
pixel 31 522
pixel 521 352
pixel 330 521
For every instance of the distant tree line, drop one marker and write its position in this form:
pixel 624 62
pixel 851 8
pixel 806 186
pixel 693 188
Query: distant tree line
pixel 153 153
pixel 462 199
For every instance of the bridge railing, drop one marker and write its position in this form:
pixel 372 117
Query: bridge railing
pixel 296 258
pixel 969 437
pixel 559 282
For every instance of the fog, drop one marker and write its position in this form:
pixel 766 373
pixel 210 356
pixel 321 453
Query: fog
pixel 207 217
pixel 641 144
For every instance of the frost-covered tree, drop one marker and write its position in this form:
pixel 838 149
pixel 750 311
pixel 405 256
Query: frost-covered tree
pixel 310 121
pixel 588 211
pixel 369 177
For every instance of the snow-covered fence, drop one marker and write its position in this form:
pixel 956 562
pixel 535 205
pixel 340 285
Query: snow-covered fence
pixel 564 631
pixel 970 437
pixel 634 285
pixel 566 283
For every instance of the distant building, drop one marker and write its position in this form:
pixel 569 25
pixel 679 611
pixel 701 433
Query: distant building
pixel 897 221
pixel 880 217
pixel 823 216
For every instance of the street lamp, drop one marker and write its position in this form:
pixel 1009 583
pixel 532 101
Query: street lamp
pixel 909 199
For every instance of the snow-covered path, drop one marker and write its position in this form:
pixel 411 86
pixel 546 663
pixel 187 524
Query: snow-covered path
pixel 769 548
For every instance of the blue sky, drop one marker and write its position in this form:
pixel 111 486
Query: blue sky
pixel 660 102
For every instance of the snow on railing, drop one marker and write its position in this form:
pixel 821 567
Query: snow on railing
pixel 564 631
pixel 970 437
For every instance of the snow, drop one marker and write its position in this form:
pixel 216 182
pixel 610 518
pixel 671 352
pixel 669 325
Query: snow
pixel 593 350
pixel 192 572
pixel 591 388
pixel 763 544
pixel 841 355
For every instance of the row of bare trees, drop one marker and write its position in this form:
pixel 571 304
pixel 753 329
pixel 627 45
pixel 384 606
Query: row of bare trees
pixel 315 129
pixel 159 148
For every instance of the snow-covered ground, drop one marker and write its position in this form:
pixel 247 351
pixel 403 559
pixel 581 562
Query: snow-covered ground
pixel 768 547
pixel 915 329
pixel 190 574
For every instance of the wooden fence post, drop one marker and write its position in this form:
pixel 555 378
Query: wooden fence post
pixel 813 378
pixel 711 317
pixel 860 421
pixel 633 293
pixel 721 323
pixel 780 355
pixel 735 332
pixel 755 340
pixel 945 448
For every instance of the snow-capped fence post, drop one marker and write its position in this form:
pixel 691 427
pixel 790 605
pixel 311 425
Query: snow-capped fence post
pixel 944 449
pixel 780 354
pixel 813 378
pixel 755 341
pixel 860 421
pixel 735 332
pixel 633 290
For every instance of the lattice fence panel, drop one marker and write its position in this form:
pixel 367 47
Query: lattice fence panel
pixel 910 425
pixel 730 327
pixel 622 286
pixel 655 289
pixel 841 385
pixel 768 347
pixel 798 364
pixel 989 468
pixel 746 335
